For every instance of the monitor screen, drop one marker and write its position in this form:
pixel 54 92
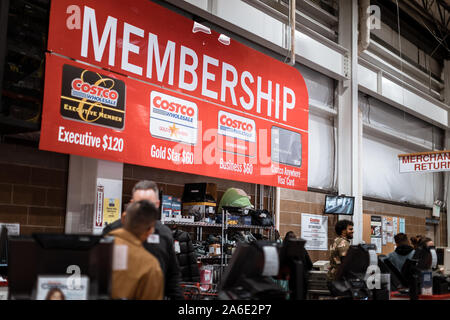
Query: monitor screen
pixel 339 205
pixel 440 256
pixel 397 279
pixel 45 255
pixel 355 262
pixel 446 261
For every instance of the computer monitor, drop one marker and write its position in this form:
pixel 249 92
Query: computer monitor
pixel 397 279
pixel 440 255
pixel 355 263
pixel 339 205
pixel 52 255
pixel 295 262
pixel 246 261
pixel 446 262
pixel 426 257
pixel 3 251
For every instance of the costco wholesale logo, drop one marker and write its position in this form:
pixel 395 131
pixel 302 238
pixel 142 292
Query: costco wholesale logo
pixel 173 119
pixel 93 98
pixel 235 126
pixel 85 90
pixel 236 134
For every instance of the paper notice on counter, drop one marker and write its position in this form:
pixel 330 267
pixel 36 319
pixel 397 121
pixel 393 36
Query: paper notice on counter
pixel 395 223
pixel 271 263
pixel 120 259
pixel 384 238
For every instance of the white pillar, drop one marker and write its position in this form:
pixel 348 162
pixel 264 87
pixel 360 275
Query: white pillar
pixel 91 179
pixel 349 119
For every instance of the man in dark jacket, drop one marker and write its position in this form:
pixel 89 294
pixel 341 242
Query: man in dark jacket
pixel 160 243
pixel 402 252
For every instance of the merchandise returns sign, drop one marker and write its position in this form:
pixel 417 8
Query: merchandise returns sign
pixel 137 83
pixel 424 162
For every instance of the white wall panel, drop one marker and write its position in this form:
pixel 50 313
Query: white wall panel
pixel 414 102
pixel 318 55
pixel 320 152
pixel 199 3
pixel 367 78
pixel 251 19
pixel 382 178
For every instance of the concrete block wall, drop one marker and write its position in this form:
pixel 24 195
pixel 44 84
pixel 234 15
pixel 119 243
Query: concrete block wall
pixel 33 188
pixel 414 217
pixel 294 203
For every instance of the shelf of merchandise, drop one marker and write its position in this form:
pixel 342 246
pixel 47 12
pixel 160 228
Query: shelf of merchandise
pixel 215 225
pixel 224 239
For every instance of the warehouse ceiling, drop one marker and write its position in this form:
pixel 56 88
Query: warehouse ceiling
pixel 434 17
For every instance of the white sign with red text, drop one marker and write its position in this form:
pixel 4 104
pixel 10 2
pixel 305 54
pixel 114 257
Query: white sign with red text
pixel 424 162
pixel 315 231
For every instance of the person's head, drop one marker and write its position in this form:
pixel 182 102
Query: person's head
pixel 426 242
pixel 290 235
pixel 146 190
pixel 344 228
pixel 401 239
pixel 143 190
pixel 421 241
pixel 55 294
pixel 140 218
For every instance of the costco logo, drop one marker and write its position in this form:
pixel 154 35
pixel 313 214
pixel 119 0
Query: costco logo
pixel 173 119
pixel 178 108
pixel 94 92
pixel 232 125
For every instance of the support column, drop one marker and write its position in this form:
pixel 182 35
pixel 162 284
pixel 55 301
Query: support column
pixel 349 120
pixel 94 194
pixel 447 146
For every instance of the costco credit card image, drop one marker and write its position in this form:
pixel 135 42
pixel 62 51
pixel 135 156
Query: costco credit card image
pixel 286 147
pixel 93 98
pixel 236 134
pixel 173 118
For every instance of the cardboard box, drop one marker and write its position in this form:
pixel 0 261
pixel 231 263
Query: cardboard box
pixel 199 192
pixel 246 220
pixel 176 208
pixel 166 208
pixel 199 200
pixel 202 211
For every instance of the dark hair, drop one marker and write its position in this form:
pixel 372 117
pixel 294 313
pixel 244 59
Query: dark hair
pixel 52 291
pixel 145 185
pixel 341 225
pixel 424 241
pixel 415 241
pixel 290 235
pixel 400 238
pixel 140 217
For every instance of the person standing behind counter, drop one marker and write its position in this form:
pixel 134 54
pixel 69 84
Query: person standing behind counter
pixel 402 252
pixel 160 244
pixel 142 278
pixel 340 246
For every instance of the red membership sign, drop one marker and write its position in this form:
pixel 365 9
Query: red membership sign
pixel 137 83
